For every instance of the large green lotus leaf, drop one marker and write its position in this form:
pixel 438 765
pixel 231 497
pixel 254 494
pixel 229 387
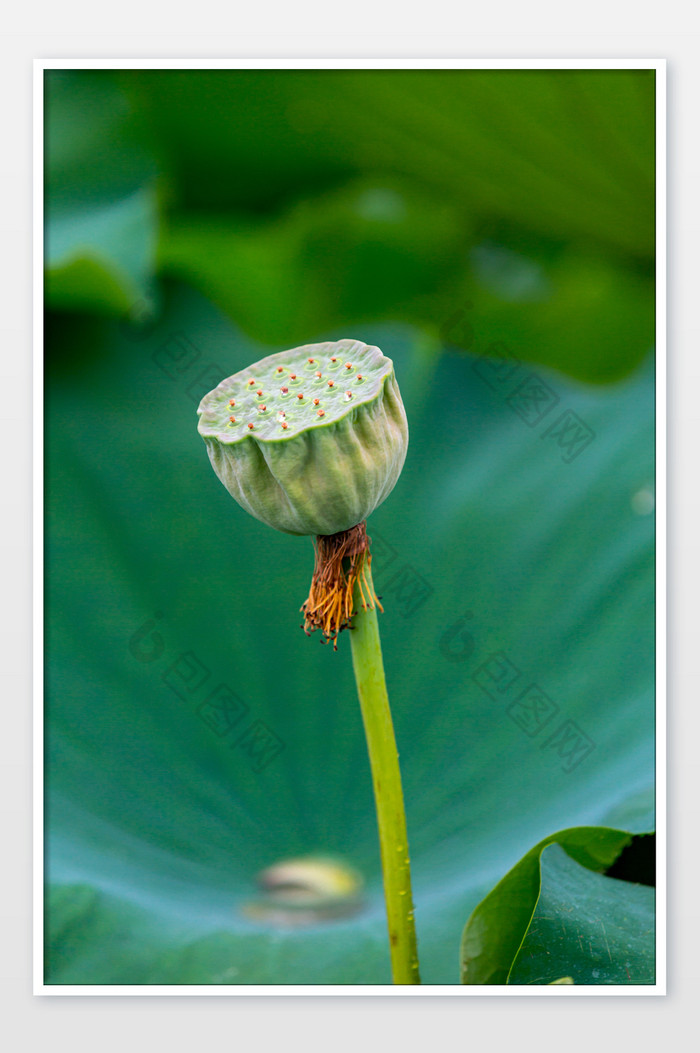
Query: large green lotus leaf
pixel 537 916
pixel 594 928
pixel 563 153
pixel 515 560
pixel 100 201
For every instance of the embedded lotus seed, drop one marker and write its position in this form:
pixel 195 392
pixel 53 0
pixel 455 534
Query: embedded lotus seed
pixel 321 413
pixel 300 395
pixel 348 396
pixel 250 426
pixel 316 402
pixel 331 383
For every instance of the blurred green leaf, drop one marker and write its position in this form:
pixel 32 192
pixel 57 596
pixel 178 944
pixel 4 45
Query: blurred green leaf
pixel 100 200
pixel 564 153
pixel 366 251
pixel 530 926
pixel 467 176
pixel 598 929
pixel 490 208
pixel 102 260
pixel 515 562
pixel 571 311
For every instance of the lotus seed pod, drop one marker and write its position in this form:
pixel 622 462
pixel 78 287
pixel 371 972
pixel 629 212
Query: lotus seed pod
pixel 309 441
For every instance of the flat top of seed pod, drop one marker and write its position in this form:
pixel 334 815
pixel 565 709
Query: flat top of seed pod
pixel 285 394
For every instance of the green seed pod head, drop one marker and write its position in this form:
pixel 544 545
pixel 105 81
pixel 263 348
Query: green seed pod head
pixel 310 441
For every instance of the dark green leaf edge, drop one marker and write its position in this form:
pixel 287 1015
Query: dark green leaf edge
pixel 496 929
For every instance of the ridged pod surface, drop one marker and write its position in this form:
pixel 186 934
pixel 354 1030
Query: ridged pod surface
pixel 311 440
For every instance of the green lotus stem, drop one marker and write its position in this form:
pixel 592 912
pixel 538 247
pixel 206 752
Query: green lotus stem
pixel 311 441
pixel 386 776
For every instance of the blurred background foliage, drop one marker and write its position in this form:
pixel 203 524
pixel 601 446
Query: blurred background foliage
pixel 300 201
pixel 198 220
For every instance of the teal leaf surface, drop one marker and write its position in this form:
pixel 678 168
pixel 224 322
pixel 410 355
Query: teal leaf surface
pixel 195 736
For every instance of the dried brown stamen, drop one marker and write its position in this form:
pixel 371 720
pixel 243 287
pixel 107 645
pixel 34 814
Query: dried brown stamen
pixel 342 561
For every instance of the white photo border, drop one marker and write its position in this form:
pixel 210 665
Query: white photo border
pixel 565 991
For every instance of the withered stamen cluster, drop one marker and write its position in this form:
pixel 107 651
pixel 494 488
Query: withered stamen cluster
pixel 341 563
